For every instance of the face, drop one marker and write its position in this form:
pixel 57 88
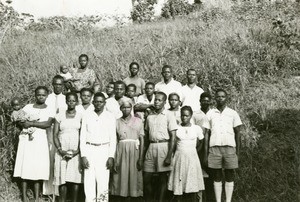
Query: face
pixel 64 69
pixel 221 98
pixel 41 96
pixel 134 70
pixel 167 73
pixel 86 97
pixel 110 89
pixel 71 102
pixel 119 90
pixel 159 102
pixel 185 116
pixel 149 90
pixel 16 105
pixel 205 102
pixel 130 92
pixel 99 103
pixel 126 109
pixel 83 62
pixel 58 85
pixel 174 101
pixel 191 76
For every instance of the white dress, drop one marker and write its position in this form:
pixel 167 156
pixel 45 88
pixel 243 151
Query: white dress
pixel 32 161
pixel 186 175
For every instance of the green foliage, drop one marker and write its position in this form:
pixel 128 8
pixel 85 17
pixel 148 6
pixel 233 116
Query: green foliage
pixel 143 11
pixel 173 8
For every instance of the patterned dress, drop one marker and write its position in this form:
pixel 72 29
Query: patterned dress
pixel 128 180
pixel 68 171
pixel 186 175
pixel 82 79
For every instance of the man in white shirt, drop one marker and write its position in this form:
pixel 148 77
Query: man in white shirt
pixel 97 147
pixel 223 144
pixel 145 101
pixel 86 95
pixel 168 85
pixel 190 93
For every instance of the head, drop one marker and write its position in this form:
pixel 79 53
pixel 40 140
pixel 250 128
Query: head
pixel 83 61
pixel 149 88
pixel 86 95
pixel 126 107
pixel 167 72
pixel 130 90
pixel 186 114
pixel 41 94
pixel 221 97
pixel 16 103
pixel 174 100
pixel 58 84
pixel 134 68
pixel 191 76
pixel 160 100
pixel 119 89
pixel 99 101
pixel 71 100
pixel 64 69
pixel 109 89
pixel 205 100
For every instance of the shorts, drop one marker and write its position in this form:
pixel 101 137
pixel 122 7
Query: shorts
pixel 155 156
pixel 222 157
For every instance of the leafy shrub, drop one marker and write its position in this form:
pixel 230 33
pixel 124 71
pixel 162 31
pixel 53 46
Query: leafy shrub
pixel 143 11
pixel 173 8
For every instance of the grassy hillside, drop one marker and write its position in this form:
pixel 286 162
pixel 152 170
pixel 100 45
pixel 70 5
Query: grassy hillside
pixel 252 50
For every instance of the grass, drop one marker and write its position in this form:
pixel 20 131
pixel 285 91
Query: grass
pixel 252 50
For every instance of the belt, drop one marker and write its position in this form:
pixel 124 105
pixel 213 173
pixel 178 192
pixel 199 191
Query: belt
pixel 158 141
pixel 97 144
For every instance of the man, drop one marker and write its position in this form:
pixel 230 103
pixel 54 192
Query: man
pixel 168 85
pixel 190 92
pixel 223 144
pixel 160 132
pixel 97 147
pixel 86 98
pixel 134 68
pixel 145 101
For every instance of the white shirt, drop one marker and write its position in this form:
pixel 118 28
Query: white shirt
pixel 191 97
pixel 67 76
pixel 142 99
pixel 56 102
pixel 82 110
pixel 98 130
pixel 222 126
pixel 113 106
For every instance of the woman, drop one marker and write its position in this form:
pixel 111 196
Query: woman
pixel 32 161
pixel 186 176
pixel 66 139
pixel 127 179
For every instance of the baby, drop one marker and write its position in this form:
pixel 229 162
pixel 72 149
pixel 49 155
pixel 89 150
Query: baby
pixel 64 72
pixel 19 115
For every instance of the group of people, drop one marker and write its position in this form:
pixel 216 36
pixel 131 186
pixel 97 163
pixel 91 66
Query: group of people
pixel 135 141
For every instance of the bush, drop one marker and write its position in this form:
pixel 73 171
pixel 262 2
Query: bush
pixel 143 11
pixel 173 8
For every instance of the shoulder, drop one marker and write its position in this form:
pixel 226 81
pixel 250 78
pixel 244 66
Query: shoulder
pixel 177 83
pixel 126 80
pixel 231 111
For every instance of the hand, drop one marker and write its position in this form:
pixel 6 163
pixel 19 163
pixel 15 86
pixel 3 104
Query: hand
pixel 62 152
pixel 116 168
pixel 167 161
pixel 85 163
pixel 139 164
pixel 110 163
pixel 26 124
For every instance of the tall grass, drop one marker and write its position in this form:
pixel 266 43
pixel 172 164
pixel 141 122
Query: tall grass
pixel 251 50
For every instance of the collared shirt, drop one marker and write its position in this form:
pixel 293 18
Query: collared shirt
pixel 222 126
pixel 98 130
pixel 199 118
pixel 56 102
pixel 142 99
pixel 82 110
pixel 191 97
pixel 159 125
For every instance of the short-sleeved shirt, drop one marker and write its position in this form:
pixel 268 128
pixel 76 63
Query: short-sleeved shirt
pixel 159 125
pixel 222 126
pixel 199 118
pixel 82 79
pixel 191 97
pixel 142 99
pixel 139 82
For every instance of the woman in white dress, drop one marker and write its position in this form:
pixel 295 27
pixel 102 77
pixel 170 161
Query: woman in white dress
pixel 186 178
pixel 32 161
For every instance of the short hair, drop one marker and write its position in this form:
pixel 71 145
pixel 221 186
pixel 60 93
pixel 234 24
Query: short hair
pixel 111 82
pixel 205 94
pixel 134 63
pixel 99 94
pixel 162 94
pixel 167 67
pixel 131 85
pixel 190 70
pixel 57 77
pixel 69 94
pixel 84 55
pixel 174 94
pixel 186 108
pixel 86 89
pixel 150 83
pixel 221 90
pixel 119 82
pixel 41 88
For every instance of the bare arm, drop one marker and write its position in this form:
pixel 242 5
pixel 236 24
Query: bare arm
pixel 238 134
pixel 172 135
pixel 141 147
pixel 140 107
pixel 42 125
pixel 146 143
pixel 55 135
pixel 206 144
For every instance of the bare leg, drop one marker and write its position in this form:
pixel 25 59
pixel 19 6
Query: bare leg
pixel 163 179
pixel 63 193
pixel 148 193
pixel 24 190
pixel 36 185
pixel 75 192
pixel 217 176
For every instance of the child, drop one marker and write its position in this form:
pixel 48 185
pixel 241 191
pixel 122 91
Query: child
pixel 64 72
pixel 109 90
pixel 19 115
pixel 131 92
pixel 174 102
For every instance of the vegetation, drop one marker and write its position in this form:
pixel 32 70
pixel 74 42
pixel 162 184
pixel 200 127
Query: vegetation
pixel 252 50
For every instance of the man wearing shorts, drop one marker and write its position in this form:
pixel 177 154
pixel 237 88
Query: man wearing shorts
pixel 223 144
pixel 160 132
